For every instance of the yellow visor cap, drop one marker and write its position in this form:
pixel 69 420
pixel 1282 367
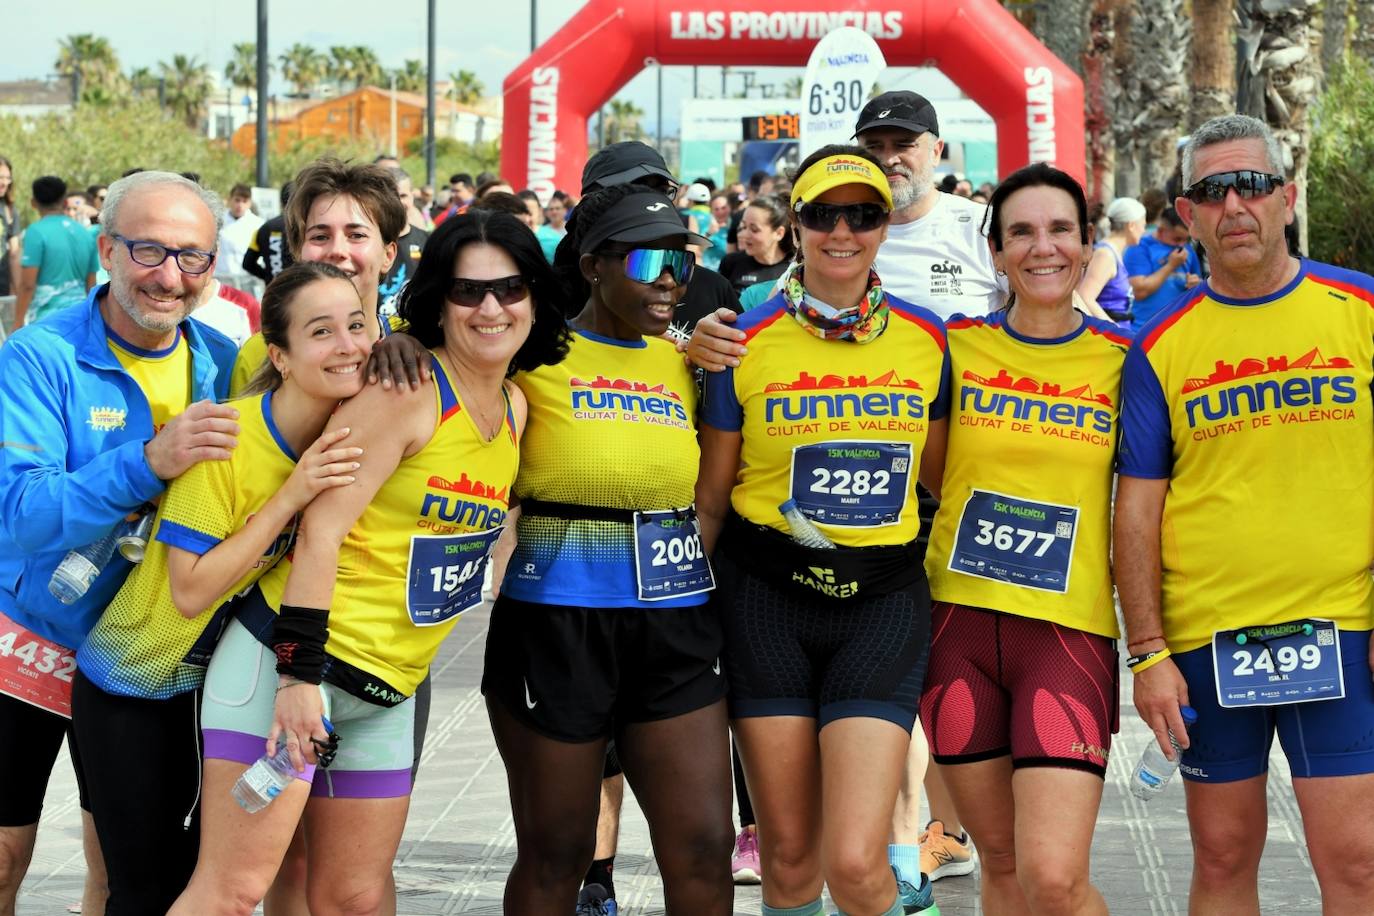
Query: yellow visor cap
pixel 835 171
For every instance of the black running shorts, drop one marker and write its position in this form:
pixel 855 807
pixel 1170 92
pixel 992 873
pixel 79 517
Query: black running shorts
pixel 787 655
pixel 581 674
pixel 27 763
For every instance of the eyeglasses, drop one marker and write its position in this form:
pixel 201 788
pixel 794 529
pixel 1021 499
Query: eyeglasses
pixel 1247 184
pixel 862 217
pixel 150 254
pixel 470 293
pixel 645 265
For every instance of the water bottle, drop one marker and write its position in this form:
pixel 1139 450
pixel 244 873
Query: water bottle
pixel 80 567
pixel 264 781
pixel 803 531
pixel 1154 770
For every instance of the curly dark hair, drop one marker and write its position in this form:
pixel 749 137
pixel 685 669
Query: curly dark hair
pixel 567 256
pixel 423 299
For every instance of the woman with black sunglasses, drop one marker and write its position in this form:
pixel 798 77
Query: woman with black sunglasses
pixel 380 572
pixel 602 628
pixel 816 439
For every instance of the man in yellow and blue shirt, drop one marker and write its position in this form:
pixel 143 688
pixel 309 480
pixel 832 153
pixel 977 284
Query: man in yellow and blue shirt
pixel 1244 529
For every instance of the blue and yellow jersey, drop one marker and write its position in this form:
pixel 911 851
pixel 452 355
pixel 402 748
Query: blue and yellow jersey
pixel 1032 439
pixel 837 426
pixel 163 375
pixel 1258 413
pixel 456 484
pixel 612 426
pixel 142 646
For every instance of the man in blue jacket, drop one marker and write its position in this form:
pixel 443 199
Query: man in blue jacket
pixel 100 406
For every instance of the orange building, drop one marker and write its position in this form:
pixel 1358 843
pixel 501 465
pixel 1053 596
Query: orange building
pixel 366 113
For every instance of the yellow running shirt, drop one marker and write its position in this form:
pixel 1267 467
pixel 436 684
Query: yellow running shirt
pixel 613 426
pixel 142 646
pixel 1258 413
pixel 835 425
pixel 1024 524
pixel 406 553
pixel 164 376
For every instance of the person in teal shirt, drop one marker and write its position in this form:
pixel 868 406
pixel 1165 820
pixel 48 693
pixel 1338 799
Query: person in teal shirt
pixel 59 261
pixel 555 226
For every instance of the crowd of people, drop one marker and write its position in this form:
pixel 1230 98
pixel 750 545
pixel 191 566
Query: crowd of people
pixel 818 492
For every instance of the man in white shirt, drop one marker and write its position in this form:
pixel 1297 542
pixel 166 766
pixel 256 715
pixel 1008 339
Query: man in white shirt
pixel 240 224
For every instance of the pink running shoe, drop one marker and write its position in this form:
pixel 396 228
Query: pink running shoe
pixel 744 864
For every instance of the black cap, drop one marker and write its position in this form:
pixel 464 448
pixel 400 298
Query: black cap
pixel 640 217
pixel 623 163
pixel 899 109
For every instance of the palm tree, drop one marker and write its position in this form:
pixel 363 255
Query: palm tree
pixel 1101 88
pixel 1211 62
pixel 90 61
pixel 367 69
pixel 1335 20
pixel 1062 27
pixel 1278 82
pixel 623 123
pixel 242 69
pixel 303 67
pixel 142 82
pixel 188 88
pixel 410 77
pixel 1362 39
pixel 342 66
pixel 465 88
pixel 1155 91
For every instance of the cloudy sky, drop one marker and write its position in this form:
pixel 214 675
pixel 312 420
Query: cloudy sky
pixel 489 38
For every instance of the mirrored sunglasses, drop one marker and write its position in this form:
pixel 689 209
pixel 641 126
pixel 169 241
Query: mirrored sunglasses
pixel 1247 184
pixel 645 265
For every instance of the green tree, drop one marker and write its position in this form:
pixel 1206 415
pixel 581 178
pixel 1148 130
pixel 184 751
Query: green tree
pixel 367 69
pixel 303 67
pixel 1340 189
pixel 92 62
pixel 623 121
pixel 792 88
pixel 342 67
pixel 142 83
pixel 242 69
pixel 465 88
pixel 188 88
pixel 410 77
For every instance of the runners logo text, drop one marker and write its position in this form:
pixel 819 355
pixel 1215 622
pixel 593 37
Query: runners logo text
pixel 1024 405
pixel 1222 402
pixel 449 511
pixel 627 401
pixel 800 406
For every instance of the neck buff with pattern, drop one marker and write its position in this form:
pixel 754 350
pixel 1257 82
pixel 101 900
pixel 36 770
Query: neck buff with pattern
pixel 861 323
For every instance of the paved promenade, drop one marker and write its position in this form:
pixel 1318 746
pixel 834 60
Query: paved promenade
pixel 459 841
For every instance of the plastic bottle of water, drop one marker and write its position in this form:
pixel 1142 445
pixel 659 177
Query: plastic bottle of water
pixel 803 531
pixel 264 781
pixel 80 567
pixel 1154 770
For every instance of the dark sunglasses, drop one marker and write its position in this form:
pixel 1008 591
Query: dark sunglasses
pixel 864 217
pixel 646 265
pixel 470 293
pixel 1246 183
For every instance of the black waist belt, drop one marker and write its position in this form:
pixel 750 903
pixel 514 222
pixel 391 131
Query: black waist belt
pixel 574 512
pixel 840 574
pixel 253 611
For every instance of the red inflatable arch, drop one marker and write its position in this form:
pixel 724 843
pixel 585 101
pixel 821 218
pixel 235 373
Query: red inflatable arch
pixel 1036 101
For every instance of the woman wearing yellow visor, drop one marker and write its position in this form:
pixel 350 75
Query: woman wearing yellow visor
pixel 811 449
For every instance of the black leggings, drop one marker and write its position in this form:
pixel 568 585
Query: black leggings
pixel 679 771
pixel 141 759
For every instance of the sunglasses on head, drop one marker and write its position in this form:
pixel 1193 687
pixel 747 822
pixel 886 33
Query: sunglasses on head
pixel 470 293
pixel 1246 183
pixel 645 265
pixel 863 217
